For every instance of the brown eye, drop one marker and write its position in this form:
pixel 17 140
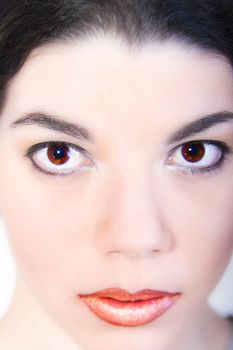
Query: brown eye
pixel 193 151
pixel 60 158
pixel 58 154
pixel 197 156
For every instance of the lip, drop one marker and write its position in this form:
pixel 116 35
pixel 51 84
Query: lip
pixel 119 307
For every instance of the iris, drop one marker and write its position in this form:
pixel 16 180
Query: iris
pixel 58 154
pixel 193 152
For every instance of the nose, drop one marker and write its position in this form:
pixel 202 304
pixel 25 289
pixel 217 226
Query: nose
pixel 134 223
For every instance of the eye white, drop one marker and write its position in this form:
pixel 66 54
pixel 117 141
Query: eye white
pixel 211 156
pixel 77 161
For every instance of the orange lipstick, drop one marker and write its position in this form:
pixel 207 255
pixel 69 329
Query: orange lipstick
pixel 118 307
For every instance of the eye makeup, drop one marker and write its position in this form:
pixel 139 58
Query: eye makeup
pixel 63 158
pixel 59 158
pixel 196 151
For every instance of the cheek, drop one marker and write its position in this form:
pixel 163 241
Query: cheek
pixel 52 223
pixel 37 243
pixel 48 235
pixel 201 220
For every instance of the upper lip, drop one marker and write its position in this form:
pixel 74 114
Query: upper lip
pixel 124 295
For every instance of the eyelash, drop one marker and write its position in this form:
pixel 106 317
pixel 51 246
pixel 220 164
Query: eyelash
pixel 32 151
pixel 222 146
pixel 224 149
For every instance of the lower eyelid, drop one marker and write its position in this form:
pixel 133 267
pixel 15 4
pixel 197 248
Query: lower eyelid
pixel 42 145
pixel 204 171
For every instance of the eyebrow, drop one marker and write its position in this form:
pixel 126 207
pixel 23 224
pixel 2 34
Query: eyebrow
pixel 83 134
pixel 54 123
pixel 199 125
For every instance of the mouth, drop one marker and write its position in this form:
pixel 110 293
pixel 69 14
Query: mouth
pixel 119 307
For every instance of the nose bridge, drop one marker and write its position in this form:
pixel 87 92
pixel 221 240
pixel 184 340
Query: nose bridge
pixel 135 218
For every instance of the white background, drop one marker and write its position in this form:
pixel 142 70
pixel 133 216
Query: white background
pixel 221 299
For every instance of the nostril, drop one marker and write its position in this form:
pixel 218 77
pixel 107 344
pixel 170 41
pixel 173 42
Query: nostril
pixel 135 239
pixel 131 251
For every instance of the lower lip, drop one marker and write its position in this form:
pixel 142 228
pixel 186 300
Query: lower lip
pixel 129 313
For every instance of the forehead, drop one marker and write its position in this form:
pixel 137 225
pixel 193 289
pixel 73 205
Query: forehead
pixel 102 75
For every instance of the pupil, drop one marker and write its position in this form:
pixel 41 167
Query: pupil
pixel 59 153
pixel 193 152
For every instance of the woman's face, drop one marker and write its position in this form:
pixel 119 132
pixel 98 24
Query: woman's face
pixel 115 195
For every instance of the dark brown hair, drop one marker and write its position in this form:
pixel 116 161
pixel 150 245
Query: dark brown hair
pixel 27 24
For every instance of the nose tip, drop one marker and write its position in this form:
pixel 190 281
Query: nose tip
pixel 134 227
pixel 139 239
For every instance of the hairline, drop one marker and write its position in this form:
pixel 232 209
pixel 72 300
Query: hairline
pixel 73 36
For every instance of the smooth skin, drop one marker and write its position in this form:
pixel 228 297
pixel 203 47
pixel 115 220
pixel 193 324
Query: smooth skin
pixel 129 215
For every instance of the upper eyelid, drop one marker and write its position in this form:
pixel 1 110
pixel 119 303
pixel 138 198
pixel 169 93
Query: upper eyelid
pixel 43 145
pixel 220 144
